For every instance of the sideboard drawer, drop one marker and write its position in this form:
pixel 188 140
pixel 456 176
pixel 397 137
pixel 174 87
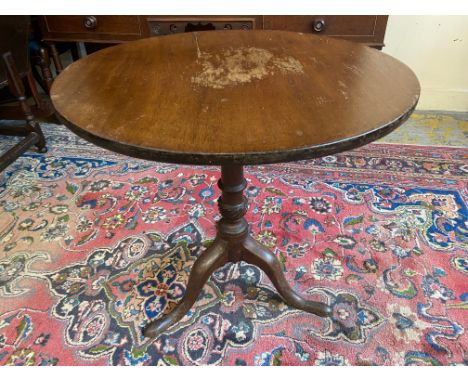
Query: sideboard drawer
pixel 162 25
pixel 369 30
pixel 89 28
pixel 366 29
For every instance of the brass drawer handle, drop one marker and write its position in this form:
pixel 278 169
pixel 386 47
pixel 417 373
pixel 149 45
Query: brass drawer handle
pixel 90 22
pixel 319 25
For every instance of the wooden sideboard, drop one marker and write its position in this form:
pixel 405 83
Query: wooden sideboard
pixel 369 30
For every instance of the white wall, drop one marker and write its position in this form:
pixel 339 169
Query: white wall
pixel 436 48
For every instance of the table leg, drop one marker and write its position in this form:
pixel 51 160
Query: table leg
pixel 232 244
pixel 262 257
pixel 210 260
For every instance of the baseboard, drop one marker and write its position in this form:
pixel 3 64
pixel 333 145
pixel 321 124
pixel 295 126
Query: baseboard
pixel 443 99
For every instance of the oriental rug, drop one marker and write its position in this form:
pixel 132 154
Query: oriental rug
pixel 93 245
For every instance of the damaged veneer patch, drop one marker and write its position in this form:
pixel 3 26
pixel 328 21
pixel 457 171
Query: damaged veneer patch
pixel 241 65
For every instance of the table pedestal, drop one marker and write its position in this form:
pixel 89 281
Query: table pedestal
pixel 233 243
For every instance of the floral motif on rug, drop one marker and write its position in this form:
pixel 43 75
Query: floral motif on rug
pixel 94 245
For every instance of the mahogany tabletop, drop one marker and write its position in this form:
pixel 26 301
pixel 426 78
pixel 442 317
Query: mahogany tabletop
pixel 234 97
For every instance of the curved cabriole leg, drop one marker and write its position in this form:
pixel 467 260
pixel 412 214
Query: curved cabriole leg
pixel 258 255
pixel 210 260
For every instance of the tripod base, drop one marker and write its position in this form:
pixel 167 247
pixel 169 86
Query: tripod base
pixel 233 243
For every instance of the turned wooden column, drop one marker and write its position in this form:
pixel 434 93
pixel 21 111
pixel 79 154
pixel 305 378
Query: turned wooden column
pixel 233 205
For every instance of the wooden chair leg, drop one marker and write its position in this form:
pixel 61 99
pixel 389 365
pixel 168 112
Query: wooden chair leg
pixel 33 88
pixel 56 58
pixel 44 64
pixel 16 86
pixel 74 52
pixel 17 150
pixel 43 107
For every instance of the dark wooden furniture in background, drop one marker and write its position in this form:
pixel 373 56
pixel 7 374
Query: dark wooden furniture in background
pixel 45 58
pixel 15 71
pixel 237 98
pixel 41 58
pixel 369 30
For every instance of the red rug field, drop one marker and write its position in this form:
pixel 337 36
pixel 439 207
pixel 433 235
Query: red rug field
pixel 93 245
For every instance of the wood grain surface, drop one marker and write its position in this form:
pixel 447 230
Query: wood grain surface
pixel 243 97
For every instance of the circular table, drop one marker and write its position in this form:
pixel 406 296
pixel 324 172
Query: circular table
pixel 234 98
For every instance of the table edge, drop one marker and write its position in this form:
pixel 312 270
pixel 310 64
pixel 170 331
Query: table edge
pixel 248 158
